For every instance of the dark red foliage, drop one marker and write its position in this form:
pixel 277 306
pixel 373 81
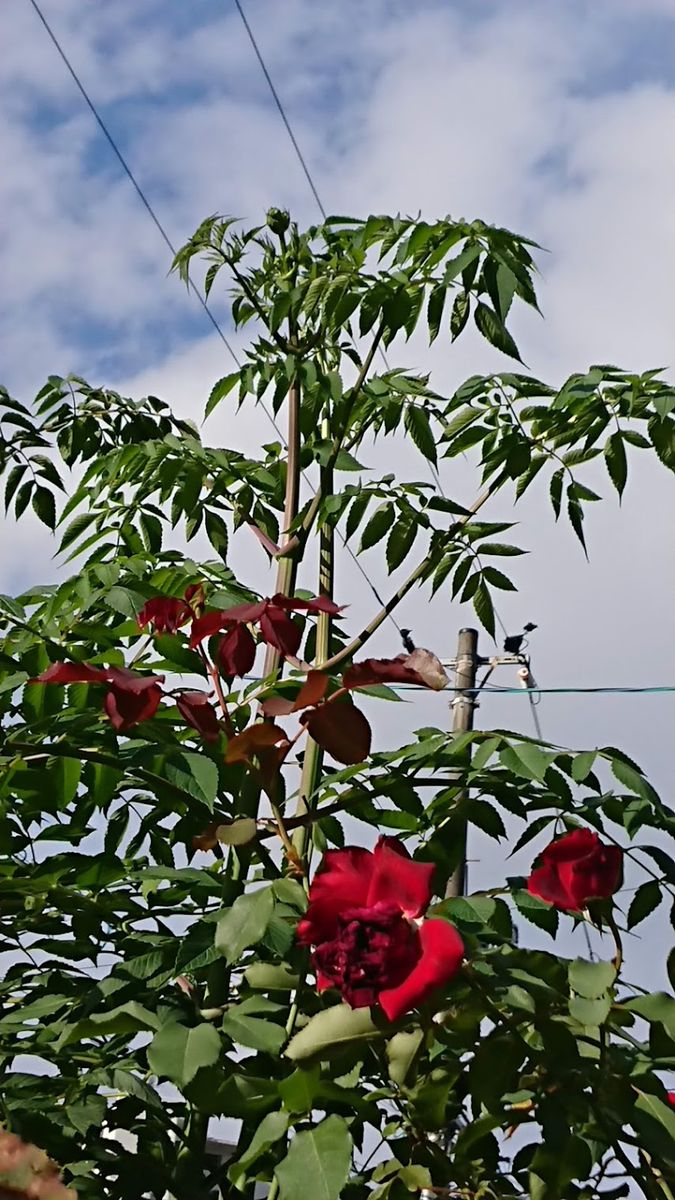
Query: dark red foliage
pixel 127 708
pixel 421 667
pixel 236 653
pixel 164 613
pixel 341 729
pixel 197 710
pixel 363 922
pixel 576 869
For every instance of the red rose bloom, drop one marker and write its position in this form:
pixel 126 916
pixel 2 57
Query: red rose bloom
pixel 671 1099
pixel 575 869
pixel 362 923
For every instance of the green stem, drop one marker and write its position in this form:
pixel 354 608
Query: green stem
pixel 288 565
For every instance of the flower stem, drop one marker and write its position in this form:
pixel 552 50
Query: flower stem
pixel 618 957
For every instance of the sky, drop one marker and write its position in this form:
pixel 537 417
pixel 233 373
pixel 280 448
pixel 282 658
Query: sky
pixel 554 119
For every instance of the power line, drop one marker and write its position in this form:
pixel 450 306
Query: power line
pixel 166 239
pixel 282 113
pixel 126 168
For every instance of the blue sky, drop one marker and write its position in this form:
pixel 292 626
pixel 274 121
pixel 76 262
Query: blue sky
pixel 553 118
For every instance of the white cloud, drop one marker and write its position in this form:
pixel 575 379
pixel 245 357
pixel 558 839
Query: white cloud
pixel 522 113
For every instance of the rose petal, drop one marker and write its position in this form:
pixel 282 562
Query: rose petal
pixel 546 884
pixel 341 882
pixel 571 846
pixel 442 953
pixel 398 879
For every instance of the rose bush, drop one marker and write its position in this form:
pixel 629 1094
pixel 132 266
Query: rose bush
pixel 576 869
pixel 364 923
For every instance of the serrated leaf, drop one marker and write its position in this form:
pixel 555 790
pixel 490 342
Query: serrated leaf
pixel 219 391
pixel 244 924
pixel 494 331
pixel 177 1053
pixel 377 526
pixel 44 506
pixel 323 1156
pixel 459 316
pixel 435 310
pixel 400 542
pixel 331 1031
pixel 270 1130
pixel 645 901
pixel 591 979
pixel 617 464
pixel 484 608
pixel 252 1031
pixel 416 422
pixel 196 774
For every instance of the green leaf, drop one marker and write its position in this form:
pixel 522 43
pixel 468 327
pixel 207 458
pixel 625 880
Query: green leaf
pixel 615 458
pixel 590 1012
pixel 319 1159
pixel 459 316
pixel 270 1130
pixel 482 603
pixel 75 529
pixel 543 915
pixel 177 1053
pixel 435 310
pixel 219 391
pixel 654 1120
pixel 44 506
pixel 400 542
pixel 377 526
pixel 416 422
pixel 238 833
pixel 244 924
pixel 344 461
pixel 528 761
pixel 332 1030
pixel 591 979
pixel 253 1031
pixel 497 578
pixel 582 765
pixel 401 1054
pixel 646 899
pixel 658 1006
pixel 216 532
pixel 494 331
pixel 270 978
pixel 196 774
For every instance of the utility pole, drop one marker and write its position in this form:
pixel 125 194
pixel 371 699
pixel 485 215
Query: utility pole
pixel 463 705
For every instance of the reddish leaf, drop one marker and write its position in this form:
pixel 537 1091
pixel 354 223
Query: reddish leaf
pixel 246 612
pixel 126 708
pixel 61 672
pixel 236 653
pixel 279 631
pixel 124 680
pixel 312 691
pixel 206 626
pixel 429 668
pixel 318 605
pixel 194 596
pixel 380 670
pixel 196 709
pixel 164 613
pixel 243 745
pixel 277 706
pixel 341 729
